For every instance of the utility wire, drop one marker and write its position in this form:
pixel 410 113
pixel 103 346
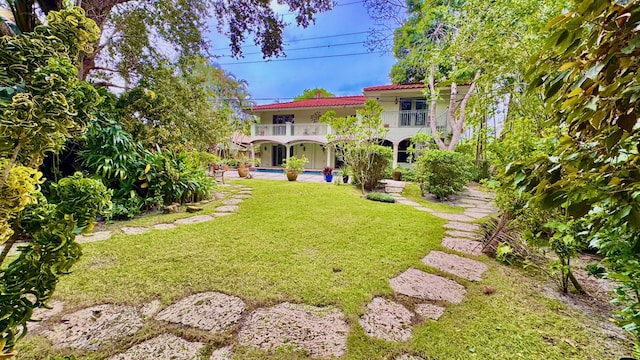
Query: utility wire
pixel 306 39
pixel 302 58
pixel 305 48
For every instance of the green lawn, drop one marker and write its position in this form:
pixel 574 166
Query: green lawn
pixel 321 244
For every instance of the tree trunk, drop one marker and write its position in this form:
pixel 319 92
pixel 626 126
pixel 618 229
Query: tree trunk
pixel 432 109
pixel 457 122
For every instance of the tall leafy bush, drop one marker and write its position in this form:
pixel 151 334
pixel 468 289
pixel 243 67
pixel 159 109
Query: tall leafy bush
pixel 443 173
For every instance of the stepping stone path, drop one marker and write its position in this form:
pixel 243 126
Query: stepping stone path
pixel 462 237
pixel 322 332
pixel 319 331
pixel 212 311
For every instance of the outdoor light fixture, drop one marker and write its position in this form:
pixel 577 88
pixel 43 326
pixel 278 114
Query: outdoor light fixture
pixel 396 101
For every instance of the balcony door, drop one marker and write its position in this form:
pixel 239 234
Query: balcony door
pixel 279 122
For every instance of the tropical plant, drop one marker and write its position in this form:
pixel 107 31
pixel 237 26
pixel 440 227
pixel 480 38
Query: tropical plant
pixel 327 171
pixel 443 173
pixel 295 164
pixel 355 139
pixel 587 75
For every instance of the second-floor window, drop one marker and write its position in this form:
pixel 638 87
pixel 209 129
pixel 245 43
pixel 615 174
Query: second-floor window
pixel 281 119
pixel 413 112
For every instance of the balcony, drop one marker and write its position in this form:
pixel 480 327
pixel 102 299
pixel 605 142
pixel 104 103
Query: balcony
pixel 415 119
pixel 290 129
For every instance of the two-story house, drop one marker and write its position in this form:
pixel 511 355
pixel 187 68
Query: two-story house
pixel 293 128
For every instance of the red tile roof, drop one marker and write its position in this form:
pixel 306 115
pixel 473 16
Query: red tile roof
pixel 395 87
pixel 336 101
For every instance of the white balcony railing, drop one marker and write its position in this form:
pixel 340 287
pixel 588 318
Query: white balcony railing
pixel 413 119
pixel 271 130
pixel 290 129
pixel 309 129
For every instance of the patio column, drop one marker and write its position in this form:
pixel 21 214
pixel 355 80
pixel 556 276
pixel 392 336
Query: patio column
pixel 287 130
pixel 396 146
pixel 328 156
pixel 253 130
pixel 253 154
pixel 288 149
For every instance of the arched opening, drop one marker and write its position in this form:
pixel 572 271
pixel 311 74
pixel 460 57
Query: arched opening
pixel 403 156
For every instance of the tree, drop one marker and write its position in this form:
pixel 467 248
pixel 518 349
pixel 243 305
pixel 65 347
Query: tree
pixel 313 93
pixel 42 104
pixel 136 34
pixel 587 74
pixel 483 45
pixel 356 139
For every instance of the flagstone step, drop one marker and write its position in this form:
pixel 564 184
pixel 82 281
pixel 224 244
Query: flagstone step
pixel 422 285
pixel 462 226
pixel 457 265
pixel 211 311
pixel 387 320
pixel 165 346
pixel 464 234
pixel 466 246
pixel 321 332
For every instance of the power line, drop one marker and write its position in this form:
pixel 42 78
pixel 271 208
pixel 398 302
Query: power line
pixel 306 39
pixel 345 4
pixel 306 48
pixel 303 58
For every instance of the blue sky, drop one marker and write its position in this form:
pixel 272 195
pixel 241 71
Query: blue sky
pixel 340 75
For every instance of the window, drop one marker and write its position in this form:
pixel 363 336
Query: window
pixel 421 112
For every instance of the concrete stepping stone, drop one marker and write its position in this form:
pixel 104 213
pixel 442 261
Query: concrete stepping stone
pixel 231 201
pixel 130 230
pixel 387 320
pixel 463 234
pixel 430 311
pixel 194 220
pixel 211 311
pixel 93 327
pixel 95 236
pixel 407 202
pixel 225 353
pixel 165 346
pixel 241 196
pixel 453 217
pixel 476 214
pixel 461 226
pixel 457 265
pixel 425 286
pixel 396 195
pixel 221 214
pixel 466 246
pixel 44 314
pixel 322 332
pixel 227 208
pixel 164 226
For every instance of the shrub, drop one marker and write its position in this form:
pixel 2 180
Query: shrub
pixel 173 177
pixel 443 173
pixel 295 164
pixel 376 196
pixel 368 164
